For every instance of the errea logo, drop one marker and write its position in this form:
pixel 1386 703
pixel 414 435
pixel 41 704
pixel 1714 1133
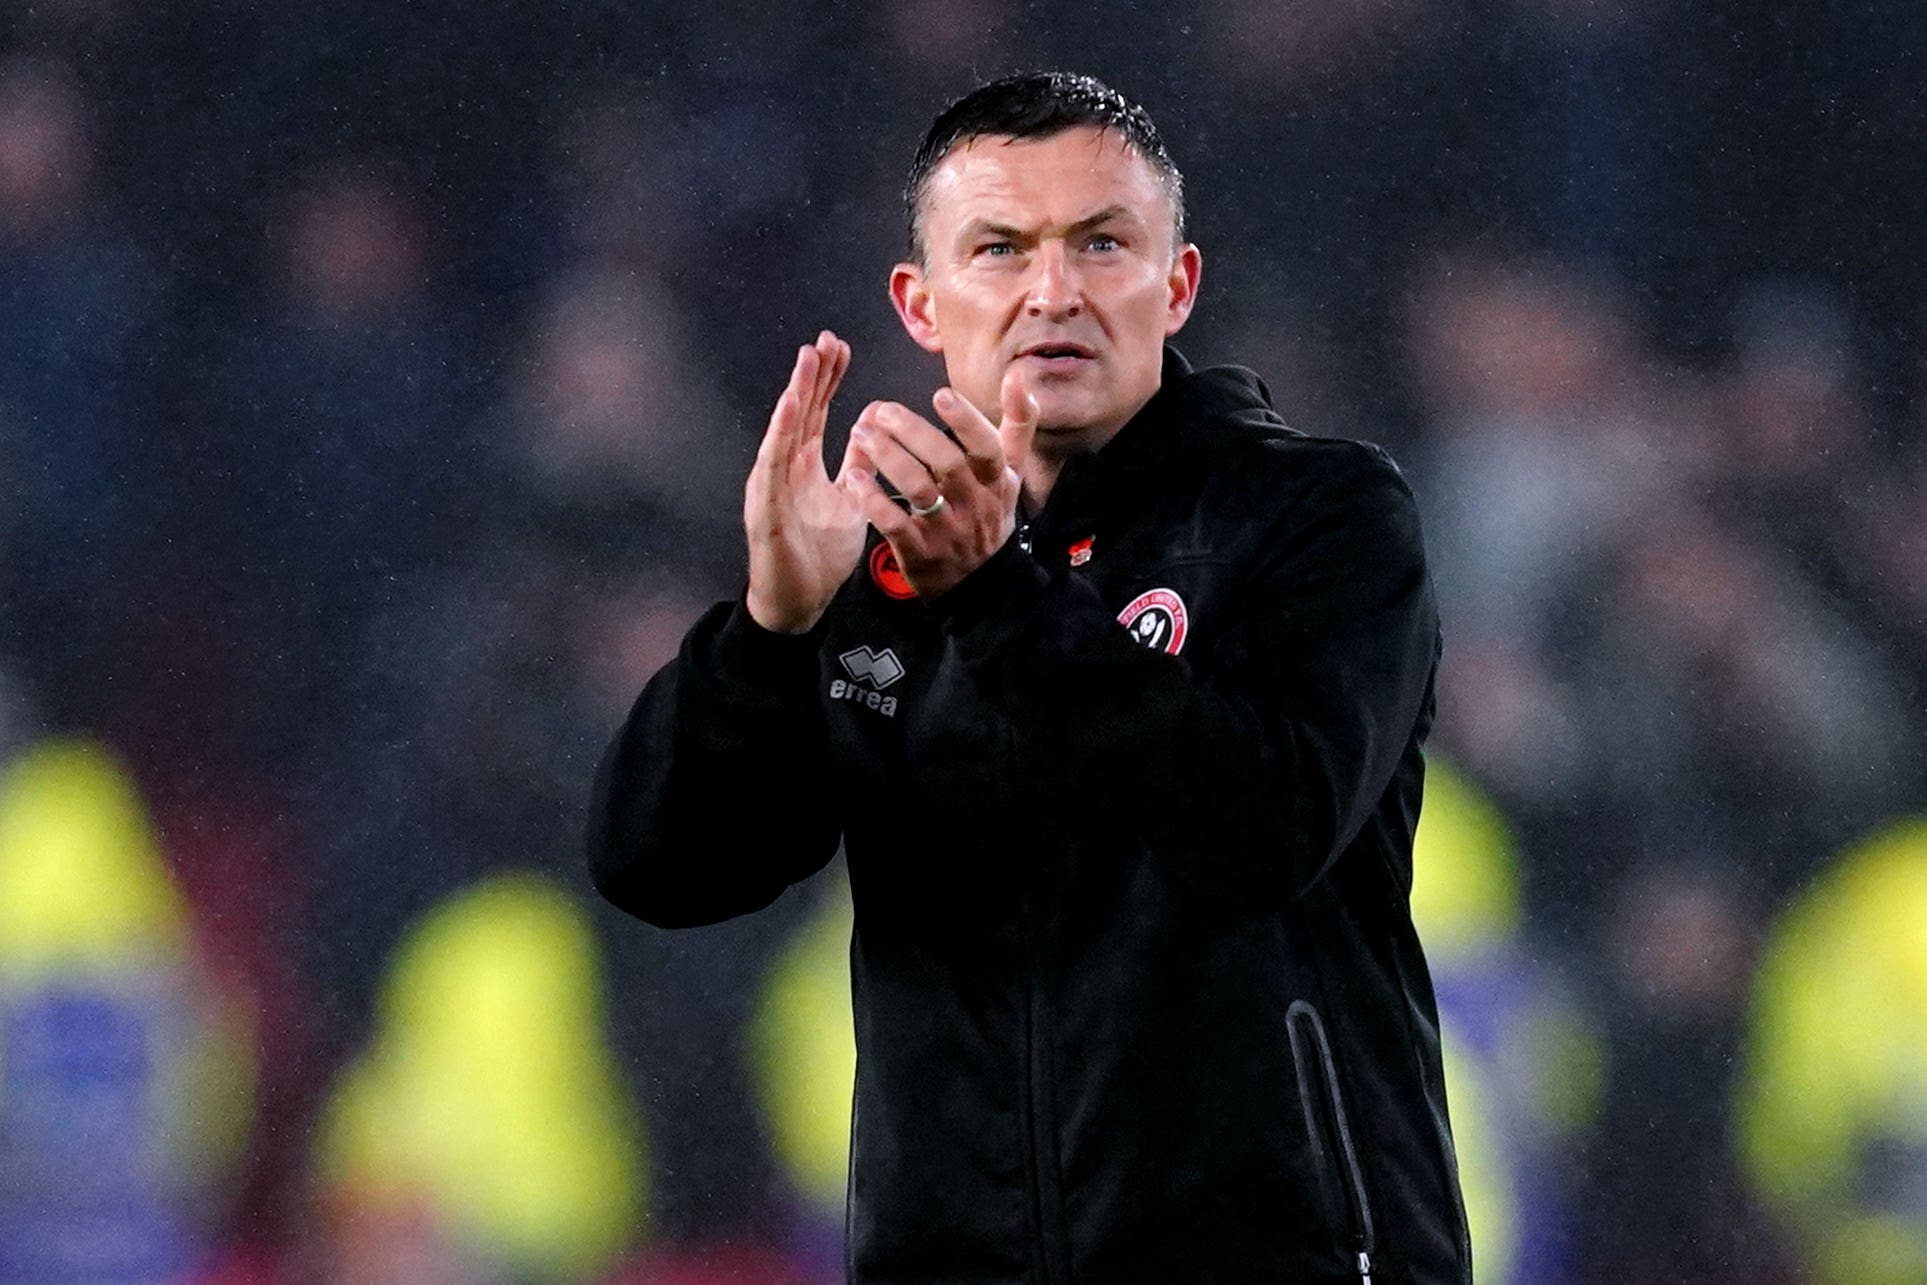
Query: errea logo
pixel 870 672
pixel 877 668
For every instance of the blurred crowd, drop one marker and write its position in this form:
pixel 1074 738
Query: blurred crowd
pixel 376 385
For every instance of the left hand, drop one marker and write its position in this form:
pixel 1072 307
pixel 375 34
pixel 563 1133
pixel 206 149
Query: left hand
pixel 965 490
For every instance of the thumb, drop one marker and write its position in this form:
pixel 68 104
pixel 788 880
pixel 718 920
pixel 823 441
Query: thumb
pixel 1018 427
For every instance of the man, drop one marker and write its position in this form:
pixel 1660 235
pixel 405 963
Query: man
pixel 1118 717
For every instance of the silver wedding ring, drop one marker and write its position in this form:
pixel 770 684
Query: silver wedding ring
pixel 935 506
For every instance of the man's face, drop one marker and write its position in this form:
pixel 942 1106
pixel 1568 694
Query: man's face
pixel 1055 255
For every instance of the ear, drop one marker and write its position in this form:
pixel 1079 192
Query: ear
pixel 1186 266
pixel 910 296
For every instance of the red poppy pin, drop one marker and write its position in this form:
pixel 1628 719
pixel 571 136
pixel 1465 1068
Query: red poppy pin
pixel 887 574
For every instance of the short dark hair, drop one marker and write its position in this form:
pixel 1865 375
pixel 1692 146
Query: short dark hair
pixel 1038 105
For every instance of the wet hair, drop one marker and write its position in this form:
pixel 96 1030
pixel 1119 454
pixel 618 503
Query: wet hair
pixel 1038 105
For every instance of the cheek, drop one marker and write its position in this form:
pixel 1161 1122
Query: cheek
pixel 1145 295
pixel 971 324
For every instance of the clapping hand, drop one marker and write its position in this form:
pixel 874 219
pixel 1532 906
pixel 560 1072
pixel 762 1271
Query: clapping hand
pixel 806 531
pixel 962 493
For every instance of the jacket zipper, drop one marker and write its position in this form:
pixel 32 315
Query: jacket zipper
pixel 1036 1139
pixel 1040 1140
pixel 849 1195
pixel 1039 1129
pixel 1039 1143
pixel 1324 1108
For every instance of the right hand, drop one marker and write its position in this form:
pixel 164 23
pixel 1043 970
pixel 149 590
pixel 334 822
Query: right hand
pixel 806 532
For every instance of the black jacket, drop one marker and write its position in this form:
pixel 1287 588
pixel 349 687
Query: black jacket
pixel 1138 997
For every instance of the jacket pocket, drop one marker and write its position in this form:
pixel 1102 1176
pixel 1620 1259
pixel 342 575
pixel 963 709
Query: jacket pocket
pixel 1330 1130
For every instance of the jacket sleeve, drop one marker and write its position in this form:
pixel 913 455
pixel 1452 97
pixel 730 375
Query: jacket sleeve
pixel 1255 763
pixel 714 796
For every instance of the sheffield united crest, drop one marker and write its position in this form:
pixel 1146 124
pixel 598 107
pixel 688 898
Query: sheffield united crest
pixel 1157 619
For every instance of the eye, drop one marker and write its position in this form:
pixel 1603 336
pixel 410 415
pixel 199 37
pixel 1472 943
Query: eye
pixel 997 249
pixel 1103 242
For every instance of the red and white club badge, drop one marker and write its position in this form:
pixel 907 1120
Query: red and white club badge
pixel 1156 618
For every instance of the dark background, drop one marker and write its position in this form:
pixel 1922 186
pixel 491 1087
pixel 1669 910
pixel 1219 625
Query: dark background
pixel 377 380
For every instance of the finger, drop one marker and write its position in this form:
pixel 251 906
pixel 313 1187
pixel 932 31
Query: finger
pixel 783 443
pixel 809 363
pixel 818 360
pixel 777 440
pixel 920 437
pixel 1018 427
pixel 883 513
pixel 854 460
pixel 839 367
pixel 982 448
pixel 824 385
pixel 769 476
pixel 839 353
pixel 835 361
pixel 908 474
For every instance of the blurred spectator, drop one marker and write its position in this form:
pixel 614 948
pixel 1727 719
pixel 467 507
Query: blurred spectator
pixel 1592 594
pixel 1805 473
pixel 1662 1199
pixel 1537 458
pixel 1794 442
pixel 804 1056
pixel 76 297
pixel 614 433
pixel 126 1077
pixel 1707 664
pixel 351 416
pixel 1833 1102
pixel 483 1136
pixel 1541 453
pixel 603 517
pixel 349 404
pixel 1889 583
pixel 1523 1065
pixel 235 864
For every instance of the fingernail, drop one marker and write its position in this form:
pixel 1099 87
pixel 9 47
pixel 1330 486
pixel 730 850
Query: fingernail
pixel 945 399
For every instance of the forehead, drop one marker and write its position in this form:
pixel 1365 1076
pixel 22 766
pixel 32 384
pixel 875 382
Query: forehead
pixel 1027 181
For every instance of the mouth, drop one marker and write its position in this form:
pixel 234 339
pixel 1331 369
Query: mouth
pixel 1056 354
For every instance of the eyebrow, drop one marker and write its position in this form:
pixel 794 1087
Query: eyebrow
pixel 987 227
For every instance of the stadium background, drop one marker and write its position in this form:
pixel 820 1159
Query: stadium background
pixel 376 381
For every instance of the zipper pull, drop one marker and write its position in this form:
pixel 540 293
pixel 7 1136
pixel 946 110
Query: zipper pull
pixel 1364 1267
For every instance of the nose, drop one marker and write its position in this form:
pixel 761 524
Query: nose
pixel 1054 291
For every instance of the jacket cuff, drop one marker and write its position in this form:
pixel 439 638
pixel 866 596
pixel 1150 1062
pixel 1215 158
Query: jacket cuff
pixel 747 651
pixel 999 589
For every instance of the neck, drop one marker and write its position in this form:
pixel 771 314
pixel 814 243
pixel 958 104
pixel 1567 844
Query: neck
pixel 1048 455
pixel 1050 451
pixel 1040 475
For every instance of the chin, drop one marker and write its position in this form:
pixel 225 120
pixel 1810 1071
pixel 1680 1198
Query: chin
pixel 1071 416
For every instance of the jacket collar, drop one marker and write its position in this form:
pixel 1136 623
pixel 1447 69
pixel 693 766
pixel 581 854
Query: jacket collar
pixel 1160 437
